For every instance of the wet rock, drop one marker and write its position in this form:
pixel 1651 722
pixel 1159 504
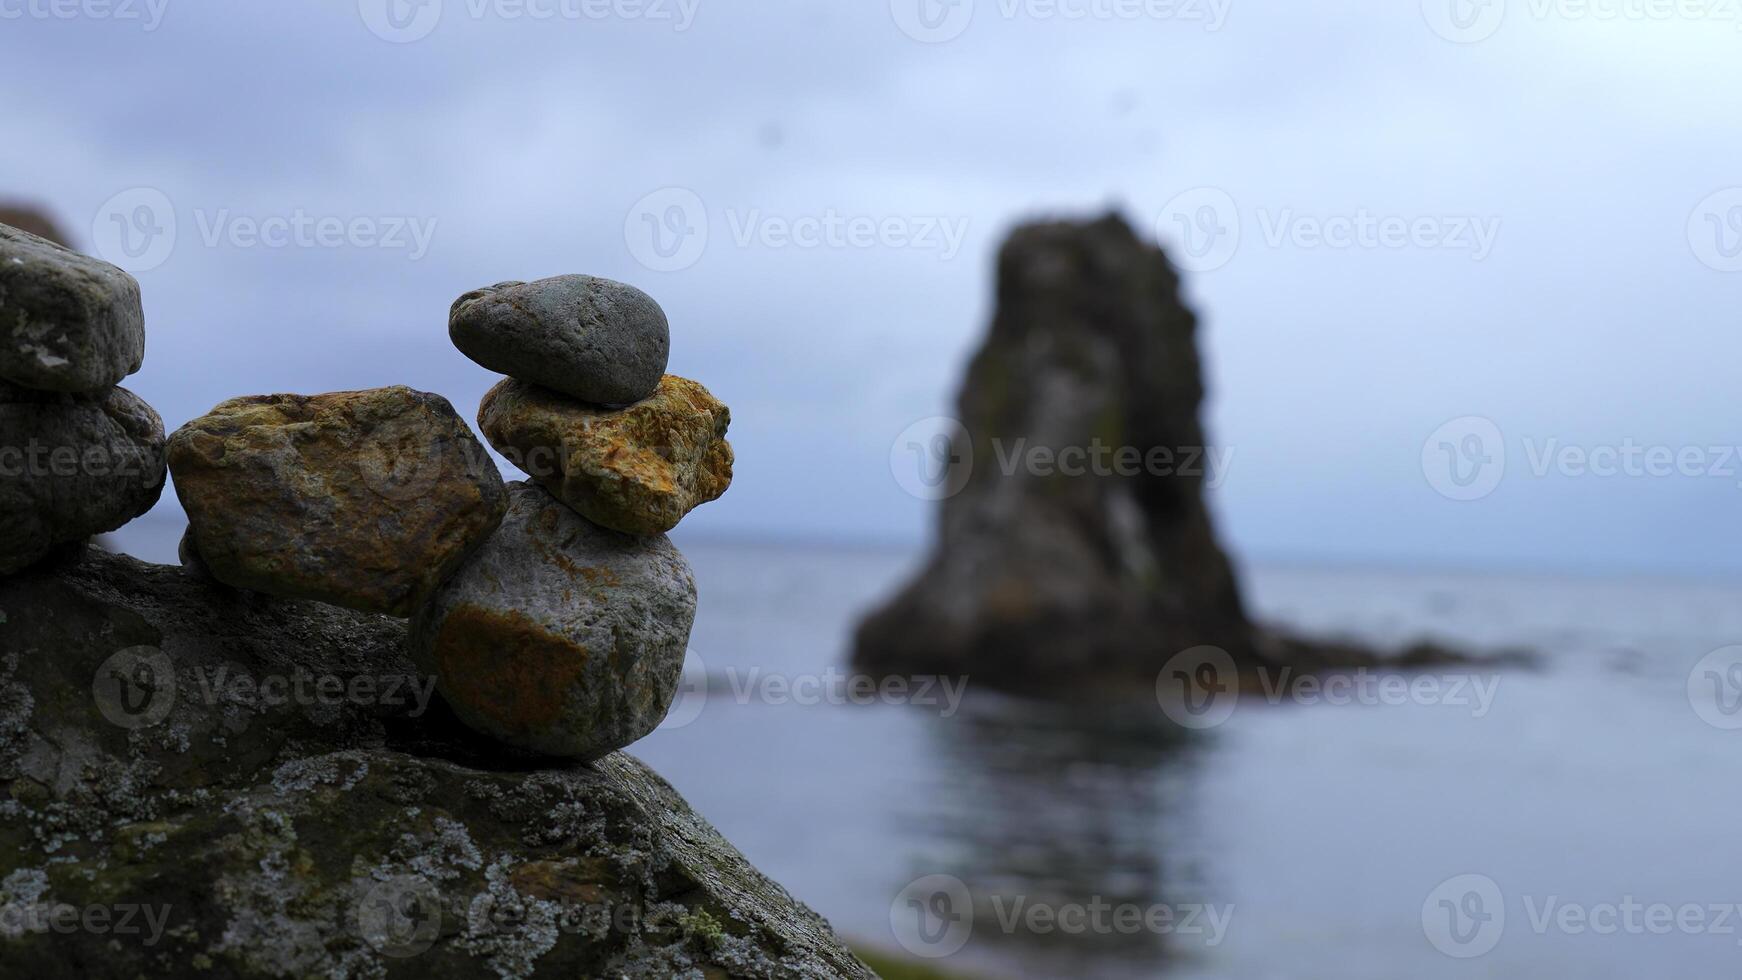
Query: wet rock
pixel 637 469
pixel 560 637
pixel 72 466
pixel 256 832
pixel 68 322
pixel 601 341
pixel 365 499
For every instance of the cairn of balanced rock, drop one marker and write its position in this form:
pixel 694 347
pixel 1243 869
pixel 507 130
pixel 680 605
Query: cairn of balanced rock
pixel 565 633
pixel 78 455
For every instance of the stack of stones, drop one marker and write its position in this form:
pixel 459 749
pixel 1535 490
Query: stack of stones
pixel 554 616
pixel 566 633
pixel 78 455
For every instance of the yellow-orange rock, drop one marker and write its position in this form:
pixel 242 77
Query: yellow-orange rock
pixel 637 469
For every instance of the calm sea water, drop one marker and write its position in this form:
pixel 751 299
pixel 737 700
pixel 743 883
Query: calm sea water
pixel 1593 801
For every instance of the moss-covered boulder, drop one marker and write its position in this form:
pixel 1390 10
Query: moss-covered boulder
pixel 202 781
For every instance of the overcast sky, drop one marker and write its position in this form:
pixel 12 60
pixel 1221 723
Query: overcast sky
pixel 1535 211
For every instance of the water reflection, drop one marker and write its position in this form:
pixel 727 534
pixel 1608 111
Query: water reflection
pixel 1071 828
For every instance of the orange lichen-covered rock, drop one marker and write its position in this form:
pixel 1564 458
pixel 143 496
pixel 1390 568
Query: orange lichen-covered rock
pixel 637 469
pixel 559 636
pixel 364 499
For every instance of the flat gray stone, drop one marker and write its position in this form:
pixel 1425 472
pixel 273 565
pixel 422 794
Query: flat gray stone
pixel 68 322
pixel 558 636
pixel 72 466
pixel 601 341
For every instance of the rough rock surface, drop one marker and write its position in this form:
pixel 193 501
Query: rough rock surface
pixel 637 469
pixel 601 341
pixel 68 322
pixel 560 637
pixel 232 829
pixel 365 499
pixel 72 466
pixel 1040 576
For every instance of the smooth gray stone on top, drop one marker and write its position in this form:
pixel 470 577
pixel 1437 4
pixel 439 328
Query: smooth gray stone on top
pixel 597 340
pixel 68 322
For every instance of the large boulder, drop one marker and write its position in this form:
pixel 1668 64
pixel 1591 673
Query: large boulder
pixel 560 637
pixel 72 466
pixel 365 499
pixel 601 341
pixel 68 322
pixel 637 469
pixel 203 781
pixel 1068 571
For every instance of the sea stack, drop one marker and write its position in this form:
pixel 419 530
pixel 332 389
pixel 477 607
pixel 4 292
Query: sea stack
pixel 1043 578
pixel 565 634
